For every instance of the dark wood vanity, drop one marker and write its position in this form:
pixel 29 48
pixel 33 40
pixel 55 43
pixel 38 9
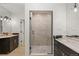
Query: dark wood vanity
pixel 8 43
pixel 66 46
pixel 63 50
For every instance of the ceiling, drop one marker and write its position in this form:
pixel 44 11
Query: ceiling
pixel 14 8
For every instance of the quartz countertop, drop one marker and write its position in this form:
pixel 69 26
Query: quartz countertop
pixel 6 36
pixel 72 43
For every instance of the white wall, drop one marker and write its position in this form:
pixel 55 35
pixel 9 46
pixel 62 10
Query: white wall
pixel 15 24
pixel 72 20
pixel 59 19
pixel 4 12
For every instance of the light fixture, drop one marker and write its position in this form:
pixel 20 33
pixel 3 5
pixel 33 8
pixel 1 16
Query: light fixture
pixel 4 18
pixel 1 18
pixel 75 7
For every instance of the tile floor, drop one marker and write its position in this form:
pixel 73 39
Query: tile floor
pixel 41 50
pixel 20 51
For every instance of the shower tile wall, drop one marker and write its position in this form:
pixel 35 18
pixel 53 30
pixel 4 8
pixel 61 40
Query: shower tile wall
pixel 41 29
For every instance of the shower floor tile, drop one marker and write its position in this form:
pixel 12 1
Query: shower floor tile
pixel 40 50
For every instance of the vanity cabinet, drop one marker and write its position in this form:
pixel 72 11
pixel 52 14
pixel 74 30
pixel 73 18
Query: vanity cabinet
pixel 62 50
pixel 8 44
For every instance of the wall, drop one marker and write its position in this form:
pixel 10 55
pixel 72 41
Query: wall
pixel 15 24
pixel 59 19
pixel 4 12
pixel 72 20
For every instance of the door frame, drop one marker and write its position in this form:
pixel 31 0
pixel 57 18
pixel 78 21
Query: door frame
pixel 52 41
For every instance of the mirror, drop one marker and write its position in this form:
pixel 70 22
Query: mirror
pixel 5 25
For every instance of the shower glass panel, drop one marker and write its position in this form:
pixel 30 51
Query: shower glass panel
pixel 40 32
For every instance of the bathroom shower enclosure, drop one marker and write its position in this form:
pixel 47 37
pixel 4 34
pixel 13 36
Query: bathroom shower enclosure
pixel 41 32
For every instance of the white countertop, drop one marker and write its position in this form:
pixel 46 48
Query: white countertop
pixel 72 43
pixel 6 36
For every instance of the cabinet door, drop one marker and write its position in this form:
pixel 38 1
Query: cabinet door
pixel 57 51
pixel 4 45
pixel 15 41
pixel 11 44
pixel 65 50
